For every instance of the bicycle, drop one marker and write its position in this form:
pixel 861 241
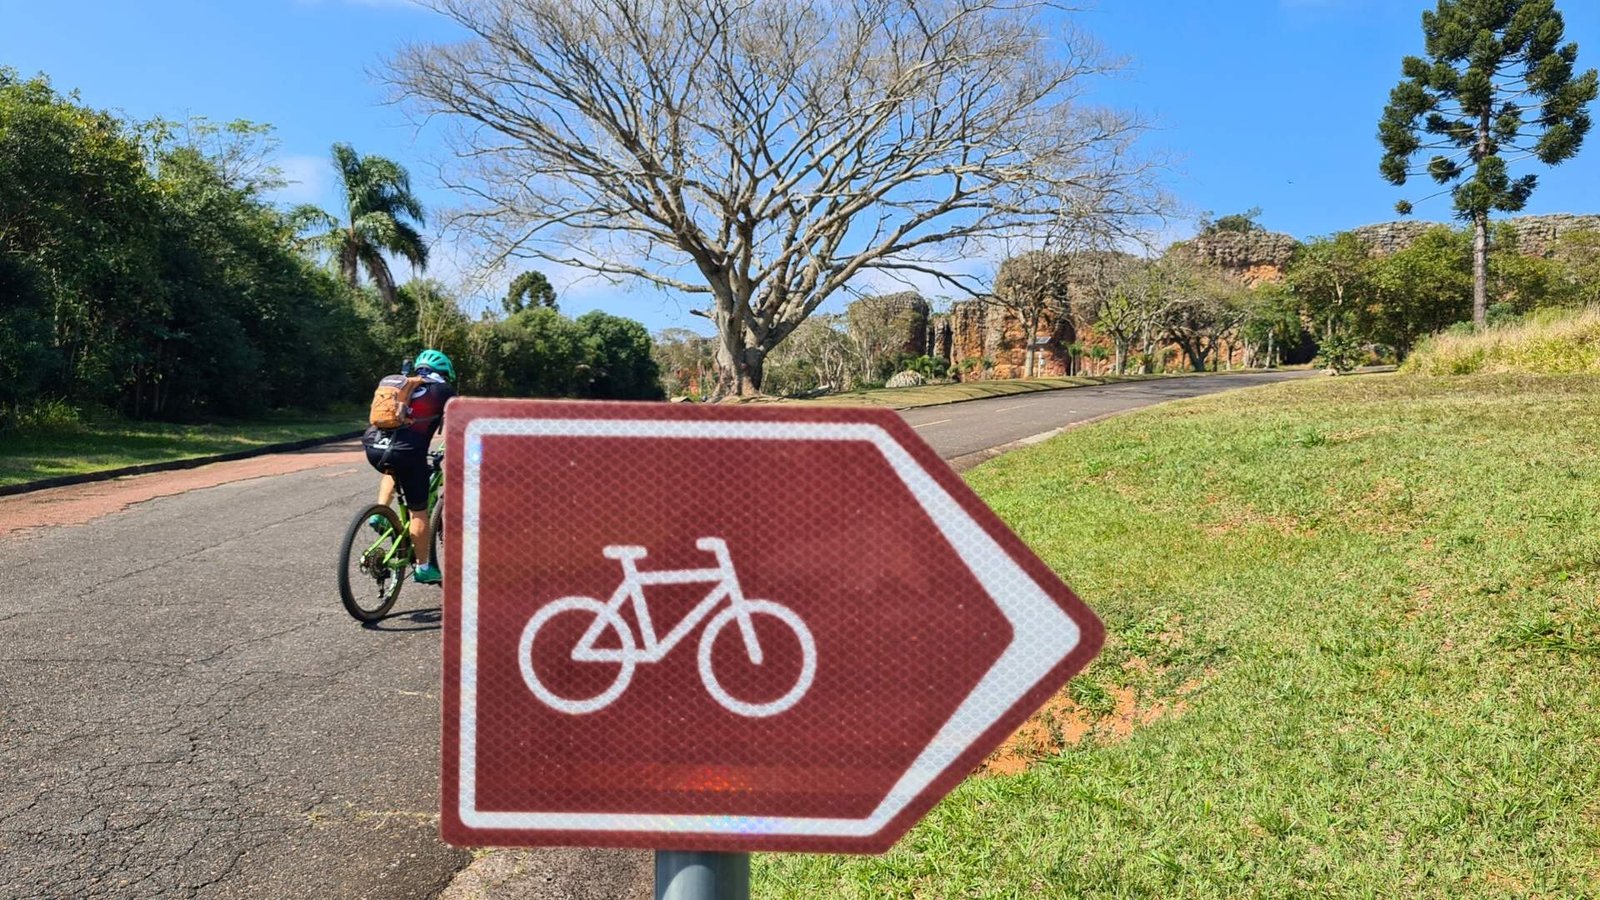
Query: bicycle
pixel 629 652
pixel 374 564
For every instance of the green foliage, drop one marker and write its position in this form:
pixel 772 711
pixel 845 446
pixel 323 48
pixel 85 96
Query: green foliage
pixel 687 361
pixel 1237 223
pixel 146 277
pixel 530 288
pixel 1418 290
pixel 1498 82
pixel 1497 77
pixel 1272 321
pixel 1332 276
pixel 378 203
pixel 538 352
pixel 1340 353
pixel 144 274
pixel 1204 309
pixel 615 359
pixel 930 367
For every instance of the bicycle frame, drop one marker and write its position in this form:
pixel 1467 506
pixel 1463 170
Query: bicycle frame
pixel 435 490
pixel 651 648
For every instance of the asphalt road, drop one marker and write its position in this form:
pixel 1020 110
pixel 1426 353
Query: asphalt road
pixel 186 711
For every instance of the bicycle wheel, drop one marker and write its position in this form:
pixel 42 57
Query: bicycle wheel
pixel 436 541
pixel 785 617
pixel 589 673
pixel 372 564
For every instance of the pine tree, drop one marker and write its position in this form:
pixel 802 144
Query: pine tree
pixel 1498 86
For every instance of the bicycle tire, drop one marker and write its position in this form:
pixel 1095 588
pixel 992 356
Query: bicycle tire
pixel 436 538
pixel 387 582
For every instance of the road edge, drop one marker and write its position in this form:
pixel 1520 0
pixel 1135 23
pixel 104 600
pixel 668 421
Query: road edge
pixel 171 465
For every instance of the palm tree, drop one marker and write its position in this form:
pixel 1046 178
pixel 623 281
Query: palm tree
pixel 379 200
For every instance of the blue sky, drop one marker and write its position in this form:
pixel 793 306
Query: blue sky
pixel 1269 103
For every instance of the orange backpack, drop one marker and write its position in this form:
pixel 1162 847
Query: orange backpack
pixel 391 402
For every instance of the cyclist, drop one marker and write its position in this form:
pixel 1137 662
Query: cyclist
pixel 402 454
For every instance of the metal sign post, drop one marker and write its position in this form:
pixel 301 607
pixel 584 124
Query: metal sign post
pixel 691 875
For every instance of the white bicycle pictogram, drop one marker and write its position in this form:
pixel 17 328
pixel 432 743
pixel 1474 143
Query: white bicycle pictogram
pixel 648 648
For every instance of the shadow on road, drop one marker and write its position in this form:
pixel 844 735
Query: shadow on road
pixel 411 620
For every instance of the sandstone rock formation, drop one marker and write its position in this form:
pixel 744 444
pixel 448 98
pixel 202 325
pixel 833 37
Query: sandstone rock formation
pixel 1250 256
pixel 983 331
pixel 1534 235
pixel 991 336
pixel 906 314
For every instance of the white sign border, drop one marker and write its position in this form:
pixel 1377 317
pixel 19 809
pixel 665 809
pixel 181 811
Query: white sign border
pixel 1029 609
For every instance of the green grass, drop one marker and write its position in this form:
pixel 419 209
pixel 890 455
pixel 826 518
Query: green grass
pixel 72 449
pixel 1375 599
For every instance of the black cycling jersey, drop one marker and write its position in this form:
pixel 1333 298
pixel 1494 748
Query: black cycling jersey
pixel 427 416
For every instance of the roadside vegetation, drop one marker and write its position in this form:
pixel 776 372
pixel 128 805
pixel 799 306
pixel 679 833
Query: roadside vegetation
pixel 1353 652
pixel 146 274
pixel 1552 342
pixel 72 446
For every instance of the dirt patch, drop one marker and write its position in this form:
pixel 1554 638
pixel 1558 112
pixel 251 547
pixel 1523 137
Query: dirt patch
pixel 82 503
pixel 1062 723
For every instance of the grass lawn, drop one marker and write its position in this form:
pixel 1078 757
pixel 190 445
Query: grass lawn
pixel 90 447
pixel 1354 651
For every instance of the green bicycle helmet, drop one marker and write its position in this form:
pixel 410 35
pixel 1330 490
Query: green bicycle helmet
pixel 438 362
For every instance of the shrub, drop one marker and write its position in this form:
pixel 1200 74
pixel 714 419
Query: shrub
pixel 929 367
pixel 1340 353
pixel 1546 342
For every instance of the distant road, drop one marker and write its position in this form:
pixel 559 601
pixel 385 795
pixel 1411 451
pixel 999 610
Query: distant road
pixel 186 711
pixel 966 433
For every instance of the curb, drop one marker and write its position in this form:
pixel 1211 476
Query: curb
pixel 192 462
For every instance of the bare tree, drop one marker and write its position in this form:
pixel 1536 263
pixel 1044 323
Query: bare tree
pixel 1135 308
pixel 877 329
pixel 1033 287
pixel 1204 312
pixel 762 153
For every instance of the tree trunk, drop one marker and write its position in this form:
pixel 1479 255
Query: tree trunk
pixel 348 264
pixel 1480 269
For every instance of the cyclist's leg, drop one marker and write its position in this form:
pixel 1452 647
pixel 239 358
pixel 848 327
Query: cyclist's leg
pixel 420 537
pixel 411 472
pixel 379 458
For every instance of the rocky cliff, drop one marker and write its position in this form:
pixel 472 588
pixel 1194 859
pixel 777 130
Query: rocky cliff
pixel 975 330
pixel 904 314
pixel 1534 235
pixel 1250 256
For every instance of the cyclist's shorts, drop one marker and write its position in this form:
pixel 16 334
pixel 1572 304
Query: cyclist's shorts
pixel 410 470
